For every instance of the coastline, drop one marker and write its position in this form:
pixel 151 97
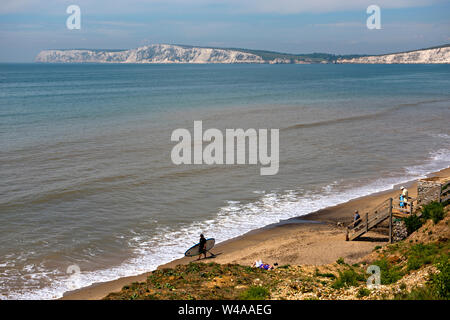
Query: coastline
pixel 313 239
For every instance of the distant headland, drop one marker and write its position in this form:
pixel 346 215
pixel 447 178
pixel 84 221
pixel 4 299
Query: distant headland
pixel 183 54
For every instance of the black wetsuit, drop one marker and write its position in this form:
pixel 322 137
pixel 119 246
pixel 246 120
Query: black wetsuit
pixel 202 245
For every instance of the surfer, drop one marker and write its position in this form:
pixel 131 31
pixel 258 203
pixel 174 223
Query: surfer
pixel 202 248
pixel 202 245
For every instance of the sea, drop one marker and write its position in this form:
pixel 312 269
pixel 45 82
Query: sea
pixel 89 192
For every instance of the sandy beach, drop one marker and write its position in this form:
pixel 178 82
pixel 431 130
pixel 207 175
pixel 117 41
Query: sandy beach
pixel 313 239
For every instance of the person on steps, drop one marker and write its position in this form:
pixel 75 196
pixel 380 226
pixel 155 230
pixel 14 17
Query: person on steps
pixel 356 219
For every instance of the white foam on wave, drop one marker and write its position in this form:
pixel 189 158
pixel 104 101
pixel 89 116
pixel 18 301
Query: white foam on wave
pixel 232 220
pixel 438 160
pixel 441 136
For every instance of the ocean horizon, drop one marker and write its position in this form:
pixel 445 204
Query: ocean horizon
pixel 87 177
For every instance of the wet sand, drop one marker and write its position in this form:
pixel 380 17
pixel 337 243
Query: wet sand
pixel 313 239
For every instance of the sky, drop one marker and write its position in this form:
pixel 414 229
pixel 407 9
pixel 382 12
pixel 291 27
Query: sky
pixel 291 26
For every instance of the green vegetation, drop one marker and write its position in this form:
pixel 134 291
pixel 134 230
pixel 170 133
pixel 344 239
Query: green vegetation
pixel 441 282
pixel 433 211
pixel 310 58
pixel 231 281
pixel 437 288
pixel 206 281
pixel 389 273
pixel 255 293
pixel 348 278
pixel 413 223
pixel 324 275
pixel 363 292
pixel 417 293
pixel 422 254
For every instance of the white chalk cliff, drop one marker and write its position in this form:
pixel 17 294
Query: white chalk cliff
pixel 167 53
pixel 433 55
pixel 157 53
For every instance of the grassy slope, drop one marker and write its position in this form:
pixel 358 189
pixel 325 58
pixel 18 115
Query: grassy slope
pixel 416 268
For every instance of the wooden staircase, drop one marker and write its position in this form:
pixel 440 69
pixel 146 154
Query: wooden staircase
pixel 370 220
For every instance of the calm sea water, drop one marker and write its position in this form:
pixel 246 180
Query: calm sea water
pixel 87 179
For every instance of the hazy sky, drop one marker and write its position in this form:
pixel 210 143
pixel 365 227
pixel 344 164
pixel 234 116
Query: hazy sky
pixel 294 26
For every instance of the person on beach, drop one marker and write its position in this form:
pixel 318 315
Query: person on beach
pixel 202 246
pixel 259 264
pixel 202 249
pixel 404 197
pixel 356 218
pixel 405 193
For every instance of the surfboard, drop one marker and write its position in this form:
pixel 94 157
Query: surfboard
pixel 195 250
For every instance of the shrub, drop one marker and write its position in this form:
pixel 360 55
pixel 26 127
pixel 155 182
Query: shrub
pixel 441 281
pixel 169 286
pixel 412 223
pixel 134 296
pixel 325 275
pixel 363 292
pixel 192 268
pixel 437 288
pixel 434 211
pixel 340 261
pixel 348 278
pixel 421 254
pixel 255 293
pixel 418 293
pixel 389 273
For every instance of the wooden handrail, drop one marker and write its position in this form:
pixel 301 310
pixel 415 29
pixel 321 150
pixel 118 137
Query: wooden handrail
pixel 368 221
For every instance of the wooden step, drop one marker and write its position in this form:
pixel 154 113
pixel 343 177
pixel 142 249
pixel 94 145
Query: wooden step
pixel 372 221
pixel 362 228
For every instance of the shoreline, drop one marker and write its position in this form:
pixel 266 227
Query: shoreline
pixel 312 239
